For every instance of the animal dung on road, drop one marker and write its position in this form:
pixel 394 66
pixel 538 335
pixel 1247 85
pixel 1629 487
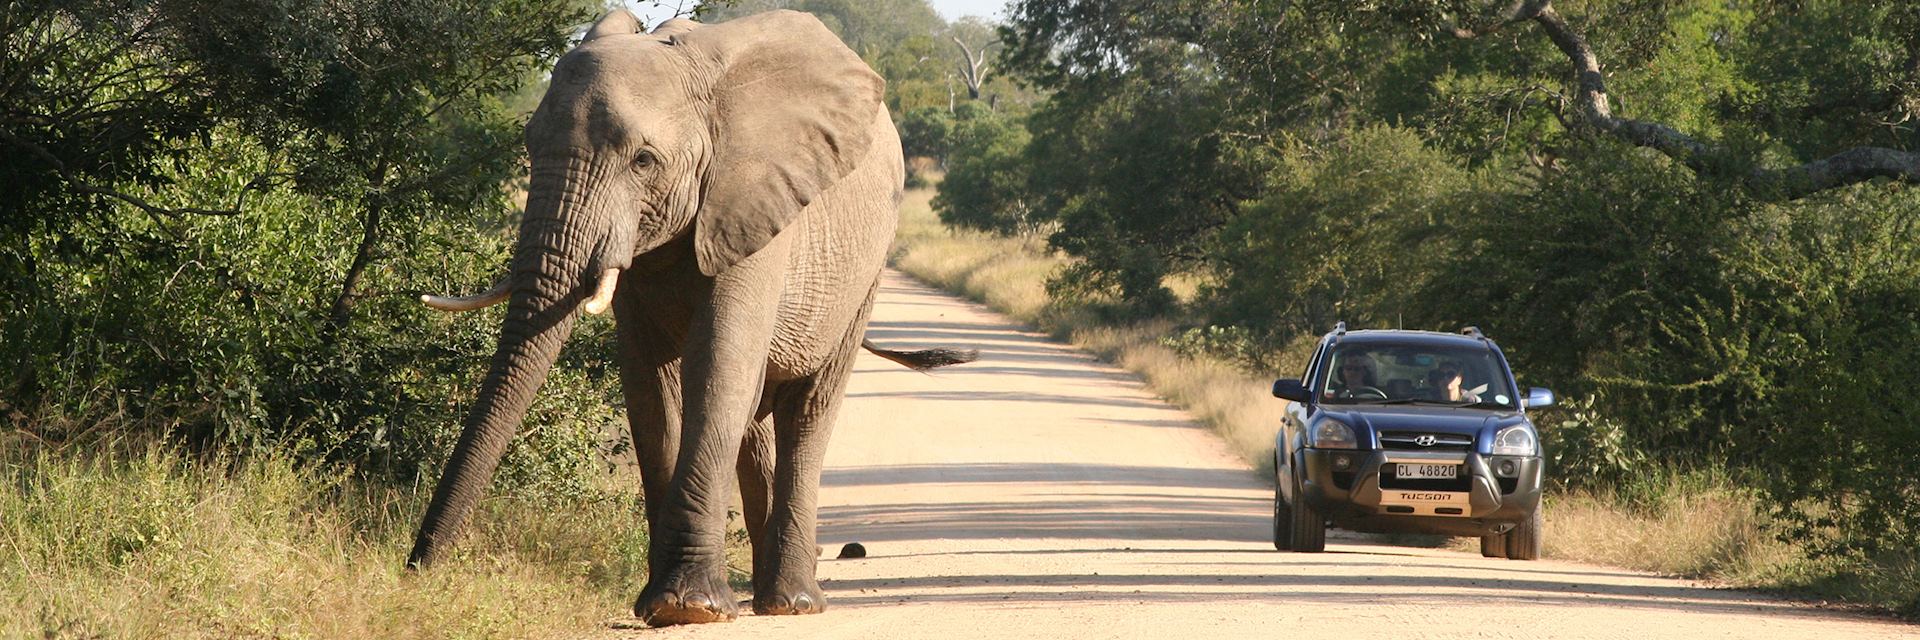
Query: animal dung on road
pixel 853 550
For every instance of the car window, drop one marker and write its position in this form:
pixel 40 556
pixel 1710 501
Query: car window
pixel 1414 373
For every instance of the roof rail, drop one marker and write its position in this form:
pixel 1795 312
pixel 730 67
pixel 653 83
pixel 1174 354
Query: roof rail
pixel 1472 331
pixel 1340 328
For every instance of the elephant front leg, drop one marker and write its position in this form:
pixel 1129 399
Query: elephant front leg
pixel 723 369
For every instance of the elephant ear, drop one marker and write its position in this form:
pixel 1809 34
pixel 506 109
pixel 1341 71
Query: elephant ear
pixel 618 22
pixel 673 27
pixel 793 112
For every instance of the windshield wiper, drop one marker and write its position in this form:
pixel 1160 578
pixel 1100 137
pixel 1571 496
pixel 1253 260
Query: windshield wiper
pixel 1394 401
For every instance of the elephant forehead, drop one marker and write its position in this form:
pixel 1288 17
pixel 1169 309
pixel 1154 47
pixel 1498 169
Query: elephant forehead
pixel 607 98
pixel 632 61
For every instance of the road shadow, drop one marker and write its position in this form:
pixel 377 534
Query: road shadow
pixel 1062 474
pixel 1339 586
pixel 1010 397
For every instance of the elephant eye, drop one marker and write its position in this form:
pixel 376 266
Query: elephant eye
pixel 645 160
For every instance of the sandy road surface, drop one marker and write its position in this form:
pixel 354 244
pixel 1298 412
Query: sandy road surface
pixel 1039 494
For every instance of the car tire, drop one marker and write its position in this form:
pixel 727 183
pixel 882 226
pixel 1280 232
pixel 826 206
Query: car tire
pixel 1282 515
pixel 1282 522
pixel 1308 527
pixel 1523 542
pixel 1494 545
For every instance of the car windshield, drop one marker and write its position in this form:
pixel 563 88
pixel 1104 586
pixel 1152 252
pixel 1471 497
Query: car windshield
pixel 1408 374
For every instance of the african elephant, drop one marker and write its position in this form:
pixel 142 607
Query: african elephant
pixel 730 191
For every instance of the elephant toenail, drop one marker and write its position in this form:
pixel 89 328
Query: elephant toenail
pixel 698 601
pixel 779 604
pixel 803 602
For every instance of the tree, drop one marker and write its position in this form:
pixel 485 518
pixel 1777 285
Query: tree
pixel 985 187
pixel 358 152
pixel 973 65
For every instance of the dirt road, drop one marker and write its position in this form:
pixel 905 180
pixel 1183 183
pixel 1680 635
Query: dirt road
pixel 1039 494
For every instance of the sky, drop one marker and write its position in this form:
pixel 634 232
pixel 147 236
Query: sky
pixel 653 11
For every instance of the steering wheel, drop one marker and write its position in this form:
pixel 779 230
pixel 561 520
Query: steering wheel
pixel 1365 393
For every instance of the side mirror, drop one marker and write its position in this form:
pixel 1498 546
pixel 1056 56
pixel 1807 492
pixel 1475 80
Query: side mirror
pixel 1538 397
pixel 1291 389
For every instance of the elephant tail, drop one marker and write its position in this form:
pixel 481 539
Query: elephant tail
pixel 923 360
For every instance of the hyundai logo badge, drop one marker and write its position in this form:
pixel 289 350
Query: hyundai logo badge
pixel 1425 440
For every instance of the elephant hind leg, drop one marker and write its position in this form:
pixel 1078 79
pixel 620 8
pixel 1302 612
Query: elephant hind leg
pixel 755 471
pixel 803 415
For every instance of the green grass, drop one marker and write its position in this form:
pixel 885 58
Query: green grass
pixel 151 544
pixel 1693 524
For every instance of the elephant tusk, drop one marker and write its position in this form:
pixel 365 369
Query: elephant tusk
pixel 603 294
pixel 490 297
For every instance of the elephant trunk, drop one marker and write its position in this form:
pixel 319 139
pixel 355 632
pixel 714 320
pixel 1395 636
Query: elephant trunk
pixel 550 271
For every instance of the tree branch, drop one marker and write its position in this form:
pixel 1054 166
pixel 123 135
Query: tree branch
pixel 1858 164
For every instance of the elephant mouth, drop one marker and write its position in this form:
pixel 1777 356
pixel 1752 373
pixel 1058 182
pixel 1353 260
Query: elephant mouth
pixel 598 304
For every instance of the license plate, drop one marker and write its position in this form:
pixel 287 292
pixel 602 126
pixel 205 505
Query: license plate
pixel 1427 471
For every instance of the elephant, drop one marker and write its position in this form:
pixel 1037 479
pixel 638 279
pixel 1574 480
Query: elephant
pixel 729 191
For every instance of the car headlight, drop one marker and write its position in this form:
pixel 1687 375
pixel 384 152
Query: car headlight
pixel 1516 440
pixel 1332 434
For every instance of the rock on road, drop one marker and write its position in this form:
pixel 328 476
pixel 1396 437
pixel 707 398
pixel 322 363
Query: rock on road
pixel 1040 494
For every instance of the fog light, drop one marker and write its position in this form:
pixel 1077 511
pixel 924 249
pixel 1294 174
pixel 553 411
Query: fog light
pixel 1342 463
pixel 1507 467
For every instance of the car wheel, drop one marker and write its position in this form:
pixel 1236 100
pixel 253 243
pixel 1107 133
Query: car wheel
pixel 1494 546
pixel 1523 542
pixel 1308 527
pixel 1282 515
pixel 1282 519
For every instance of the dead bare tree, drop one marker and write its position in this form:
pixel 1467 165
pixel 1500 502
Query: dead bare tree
pixel 973 66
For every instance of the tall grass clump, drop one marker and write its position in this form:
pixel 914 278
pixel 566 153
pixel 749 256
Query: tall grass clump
pixel 149 543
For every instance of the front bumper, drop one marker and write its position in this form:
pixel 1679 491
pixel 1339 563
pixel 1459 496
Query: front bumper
pixel 1364 495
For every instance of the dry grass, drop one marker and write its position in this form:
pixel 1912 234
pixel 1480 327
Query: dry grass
pixel 152 545
pixel 1699 532
pixel 1008 274
pixel 1238 406
pixel 1696 525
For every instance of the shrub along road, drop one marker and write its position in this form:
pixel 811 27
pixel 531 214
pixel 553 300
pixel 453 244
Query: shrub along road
pixel 1039 493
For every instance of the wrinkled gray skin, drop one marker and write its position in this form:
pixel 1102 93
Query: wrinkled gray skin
pixel 744 179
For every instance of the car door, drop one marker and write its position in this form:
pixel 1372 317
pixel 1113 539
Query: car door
pixel 1292 433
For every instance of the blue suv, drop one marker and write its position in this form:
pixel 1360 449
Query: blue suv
pixel 1409 431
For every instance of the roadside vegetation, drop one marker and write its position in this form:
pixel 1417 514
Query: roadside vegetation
pixel 144 543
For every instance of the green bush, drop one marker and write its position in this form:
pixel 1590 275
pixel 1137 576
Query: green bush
pixel 1586 449
pixel 220 340
pixel 925 132
pixel 985 186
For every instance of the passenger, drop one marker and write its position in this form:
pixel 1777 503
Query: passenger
pixel 1444 384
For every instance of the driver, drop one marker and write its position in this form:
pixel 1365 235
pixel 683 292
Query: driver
pixel 1354 373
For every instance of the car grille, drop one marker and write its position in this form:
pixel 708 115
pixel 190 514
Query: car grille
pixel 1409 441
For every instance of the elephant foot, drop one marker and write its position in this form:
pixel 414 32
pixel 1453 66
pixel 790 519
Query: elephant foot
pixel 790 602
pixel 696 597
